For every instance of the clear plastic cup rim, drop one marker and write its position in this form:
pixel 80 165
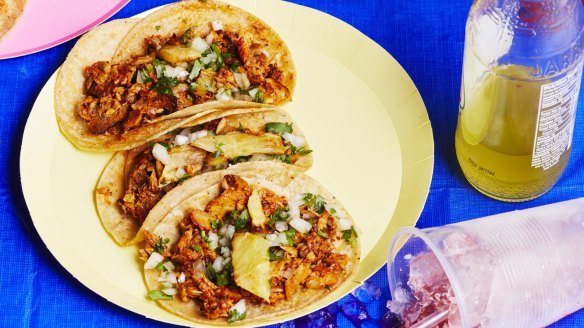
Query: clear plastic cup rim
pixel 441 259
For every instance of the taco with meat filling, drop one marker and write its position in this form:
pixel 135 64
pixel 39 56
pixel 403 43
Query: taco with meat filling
pixel 249 243
pixel 188 59
pixel 135 180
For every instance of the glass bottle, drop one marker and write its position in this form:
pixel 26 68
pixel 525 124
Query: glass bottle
pixel 520 84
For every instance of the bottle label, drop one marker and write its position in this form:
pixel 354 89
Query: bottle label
pixel 555 122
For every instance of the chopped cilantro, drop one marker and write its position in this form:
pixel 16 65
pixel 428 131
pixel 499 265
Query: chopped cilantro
pixel 222 278
pixel 157 27
pixel 290 233
pixel 183 178
pixel 278 215
pixel 187 36
pixel 259 97
pixel 216 224
pixel 204 237
pixel 219 151
pixel 218 54
pixel 196 248
pixel 240 128
pixel 160 267
pixel 300 150
pixel 348 236
pixel 164 85
pixel 158 295
pixel 239 220
pixel 145 75
pixel 314 202
pixel 275 254
pixel 239 159
pixel 235 316
pixel 278 128
pixel 322 234
pixel 174 132
pixel 160 245
pixel 165 145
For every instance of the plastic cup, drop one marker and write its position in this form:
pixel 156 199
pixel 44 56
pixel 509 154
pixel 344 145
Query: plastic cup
pixel 517 269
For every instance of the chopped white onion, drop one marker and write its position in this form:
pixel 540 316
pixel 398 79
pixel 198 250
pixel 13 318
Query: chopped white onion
pixel 213 240
pixel 217 25
pixel 224 241
pixel 344 224
pixel 253 92
pixel 281 226
pixel 230 231
pixel 185 132
pixel 153 261
pixel 160 153
pixel 180 140
pixel 239 307
pixel 196 135
pixel 238 79
pixel 294 204
pixel 181 278
pixel 295 140
pixel 209 38
pixel 287 273
pixel 246 83
pixel 171 278
pixel 282 239
pixel 167 284
pixel 225 251
pixel 218 264
pixel 168 266
pixel 222 95
pixel 177 72
pixel 162 276
pixel 199 44
pixel 273 240
pixel 265 52
pixel 169 291
pixel 199 266
pixel 209 58
pixel 180 172
pixel 141 77
pixel 301 225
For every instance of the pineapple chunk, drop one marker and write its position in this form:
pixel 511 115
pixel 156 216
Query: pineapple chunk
pixel 251 264
pixel 181 157
pixel 237 144
pixel 254 206
pixel 177 54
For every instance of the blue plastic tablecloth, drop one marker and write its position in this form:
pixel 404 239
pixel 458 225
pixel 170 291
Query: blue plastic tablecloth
pixel 426 37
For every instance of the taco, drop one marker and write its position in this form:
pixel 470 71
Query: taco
pixel 184 60
pixel 252 242
pixel 135 180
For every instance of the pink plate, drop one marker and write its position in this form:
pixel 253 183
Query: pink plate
pixel 47 23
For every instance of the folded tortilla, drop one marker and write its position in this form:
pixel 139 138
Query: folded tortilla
pixel 310 263
pixel 125 197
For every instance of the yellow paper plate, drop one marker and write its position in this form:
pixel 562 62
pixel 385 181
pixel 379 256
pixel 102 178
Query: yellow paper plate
pixel 360 111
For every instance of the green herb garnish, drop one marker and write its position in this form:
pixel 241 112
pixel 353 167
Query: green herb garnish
pixel 158 295
pixel 157 27
pixel 219 151
pixel 322 234
pixel 187 36
pixel 239 220
pixel 160 245
pixel 196 248
pixel 314 202
pixel 278 128
pixel 290 233
pixel 183 178
pixel 275 254
pixel 278 215
pixel 164 85
pixel 235 316
pixel 216 224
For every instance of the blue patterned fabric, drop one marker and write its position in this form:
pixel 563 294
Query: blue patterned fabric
pixel 426 37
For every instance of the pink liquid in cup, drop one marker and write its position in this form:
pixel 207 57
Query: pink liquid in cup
pixel 516 269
